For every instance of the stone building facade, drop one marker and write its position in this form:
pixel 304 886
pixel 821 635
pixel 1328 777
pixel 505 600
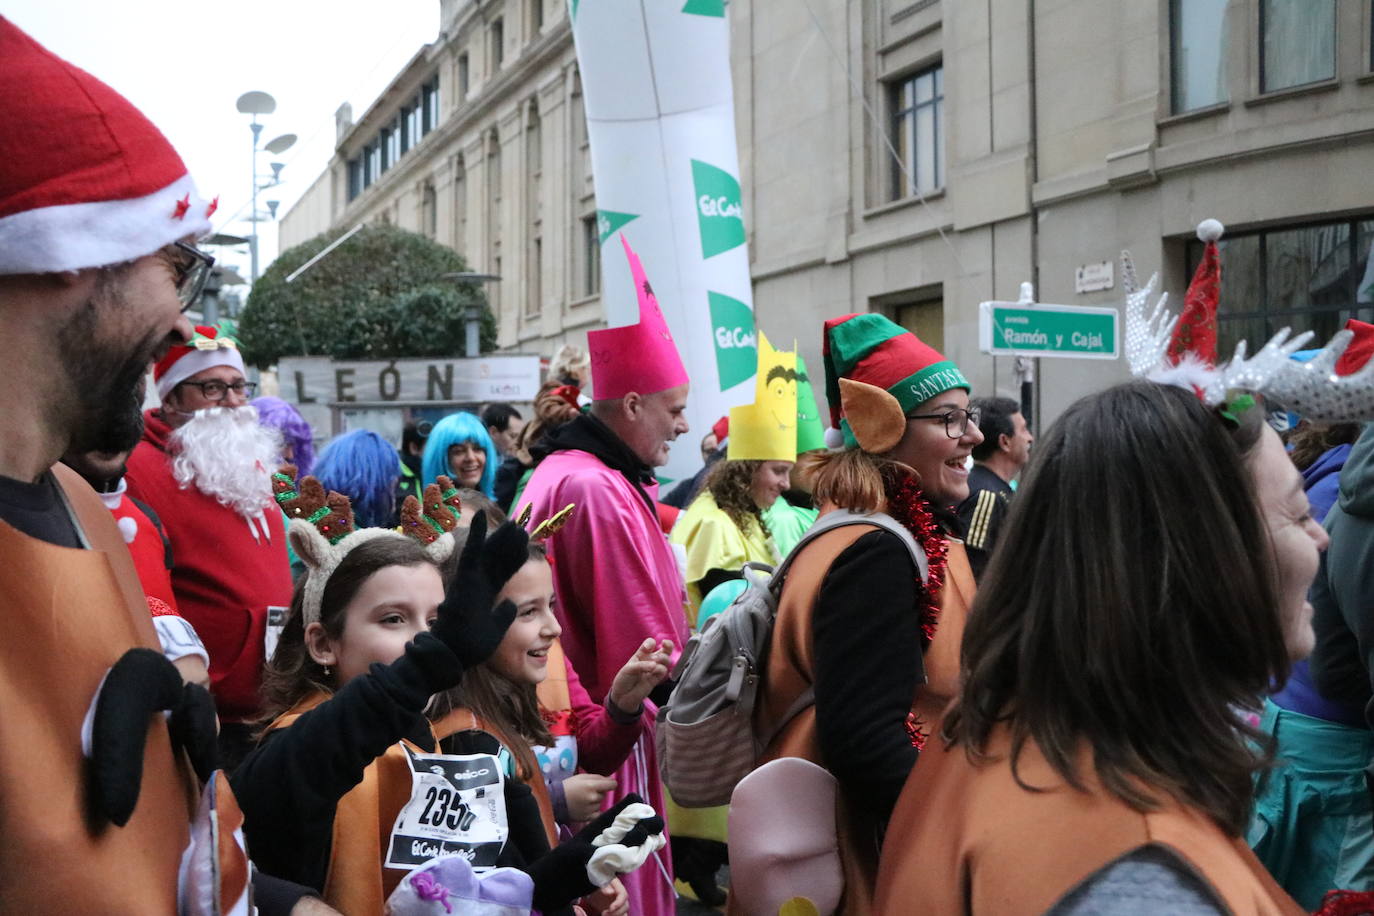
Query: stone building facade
pixel 1037 137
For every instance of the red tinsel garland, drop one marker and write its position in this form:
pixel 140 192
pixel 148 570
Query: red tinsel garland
pixel 907 504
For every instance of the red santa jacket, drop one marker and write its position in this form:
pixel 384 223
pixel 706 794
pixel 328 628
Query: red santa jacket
pixel 147 544
pixel 227 574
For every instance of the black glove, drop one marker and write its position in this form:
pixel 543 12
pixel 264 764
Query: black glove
pixel 467 621
pixel 142 683
pixel 195 728
pixel 569 871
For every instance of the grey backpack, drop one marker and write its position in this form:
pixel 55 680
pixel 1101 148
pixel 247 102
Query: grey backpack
pixel 705 736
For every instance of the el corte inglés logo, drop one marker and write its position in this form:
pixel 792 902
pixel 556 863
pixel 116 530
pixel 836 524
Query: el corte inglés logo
pixel 719 213
pixel 732 324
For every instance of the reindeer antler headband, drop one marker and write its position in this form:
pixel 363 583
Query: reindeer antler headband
pixel 322 533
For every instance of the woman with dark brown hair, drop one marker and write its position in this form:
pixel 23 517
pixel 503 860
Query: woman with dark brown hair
pixel 1151 586
pixel 858 625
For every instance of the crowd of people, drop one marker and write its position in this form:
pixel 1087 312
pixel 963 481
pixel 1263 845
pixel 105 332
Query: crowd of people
pixel 1000 674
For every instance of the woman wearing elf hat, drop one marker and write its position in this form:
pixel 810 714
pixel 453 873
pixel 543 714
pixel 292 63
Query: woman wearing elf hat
pixel 855 593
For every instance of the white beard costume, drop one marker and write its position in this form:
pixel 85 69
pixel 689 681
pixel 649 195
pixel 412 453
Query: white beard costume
pixel 228 455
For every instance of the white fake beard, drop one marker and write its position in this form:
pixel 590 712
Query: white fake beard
pixel 227 454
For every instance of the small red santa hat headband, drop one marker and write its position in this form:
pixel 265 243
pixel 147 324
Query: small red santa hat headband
pixel 85 179
pixel 1181 350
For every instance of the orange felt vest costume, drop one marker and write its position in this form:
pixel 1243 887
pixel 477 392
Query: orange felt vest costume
pixel 791 669
pixel 969 839
pixel 70 615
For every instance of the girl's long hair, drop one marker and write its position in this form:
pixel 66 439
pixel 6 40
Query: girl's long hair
pixel 291 674
pixel 731 485
pixel 455 429
pixel 364 467
pixel 1131 606
pixel 510 709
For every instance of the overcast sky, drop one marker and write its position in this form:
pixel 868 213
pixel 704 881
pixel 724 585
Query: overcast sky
pixel 185 64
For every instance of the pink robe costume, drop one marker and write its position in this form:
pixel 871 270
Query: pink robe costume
pixel 618 583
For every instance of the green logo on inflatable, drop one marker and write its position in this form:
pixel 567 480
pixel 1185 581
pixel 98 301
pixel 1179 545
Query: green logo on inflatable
pixel 718 209
pixel 732 325
pixel 608 221
pixel 703 8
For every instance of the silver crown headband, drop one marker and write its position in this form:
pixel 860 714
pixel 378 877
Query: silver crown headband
pixel 1311 389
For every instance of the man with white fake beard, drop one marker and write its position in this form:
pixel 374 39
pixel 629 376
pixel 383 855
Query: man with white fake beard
pixel 205 466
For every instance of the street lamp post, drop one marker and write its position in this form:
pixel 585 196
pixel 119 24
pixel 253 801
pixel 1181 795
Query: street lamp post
pixel 254 104
pixel 472 310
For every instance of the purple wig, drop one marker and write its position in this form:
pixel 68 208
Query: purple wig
pixel 295 432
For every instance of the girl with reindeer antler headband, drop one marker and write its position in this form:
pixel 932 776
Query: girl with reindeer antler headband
pixel 562 743
pixel 347 791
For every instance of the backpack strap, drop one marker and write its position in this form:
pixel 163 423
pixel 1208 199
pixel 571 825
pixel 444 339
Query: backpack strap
pixel 841 518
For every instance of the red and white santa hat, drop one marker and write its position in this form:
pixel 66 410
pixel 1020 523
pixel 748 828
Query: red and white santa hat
pixel 209 346
pixel 85 179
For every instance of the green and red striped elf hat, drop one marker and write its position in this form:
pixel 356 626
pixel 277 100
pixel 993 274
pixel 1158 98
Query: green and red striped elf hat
pixel 887 371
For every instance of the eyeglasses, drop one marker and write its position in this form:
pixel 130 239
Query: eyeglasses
pixel 217 391
pixel 192 272
pixel 956 420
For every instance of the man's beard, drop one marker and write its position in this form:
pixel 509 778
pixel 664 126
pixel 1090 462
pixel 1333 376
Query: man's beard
pixel 108 379
pixel 227 454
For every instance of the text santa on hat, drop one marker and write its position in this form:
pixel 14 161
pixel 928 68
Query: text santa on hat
pixel 877 372
pixel 85 179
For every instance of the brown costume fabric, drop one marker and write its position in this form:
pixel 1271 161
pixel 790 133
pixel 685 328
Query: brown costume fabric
pixel 791 669
pixel 463 719
pixel 968 839
pixel 70 615
pixel 357 884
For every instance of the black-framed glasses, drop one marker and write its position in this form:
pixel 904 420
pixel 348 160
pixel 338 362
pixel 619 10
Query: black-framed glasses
pixel 192 268
pixel 215 390
pixel 956 419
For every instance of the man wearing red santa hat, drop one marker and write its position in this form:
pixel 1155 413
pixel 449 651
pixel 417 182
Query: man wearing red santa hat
pixel 204 466
pixel 96 212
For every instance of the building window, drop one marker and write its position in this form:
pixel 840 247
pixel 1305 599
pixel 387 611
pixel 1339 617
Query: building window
pixel 536 17
pixel 1308 278
pixel 534 274
pixel 918 132
pixel 1197 53
pixel 591 257
pixel 498 43
pixel 384 144
pixel 463 76
pixel 429 94
pixel 1297 43
pixel 393 142
pixel 372 155
pixel 355 177
pixel 410 127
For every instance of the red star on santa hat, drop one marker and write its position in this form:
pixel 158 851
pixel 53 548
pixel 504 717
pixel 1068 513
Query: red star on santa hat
pixel 182 206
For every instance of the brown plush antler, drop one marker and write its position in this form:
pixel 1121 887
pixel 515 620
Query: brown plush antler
pixel 448 494
pixel 331 513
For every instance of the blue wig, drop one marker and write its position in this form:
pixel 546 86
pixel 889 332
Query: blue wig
pixel 364 467
pixel 455 429
pixel 295 432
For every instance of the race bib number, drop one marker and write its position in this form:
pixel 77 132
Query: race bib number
pixel 457 807
pixel 276 619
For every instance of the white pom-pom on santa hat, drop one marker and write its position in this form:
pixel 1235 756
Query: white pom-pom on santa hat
pixel 834 438
pixel 1209 230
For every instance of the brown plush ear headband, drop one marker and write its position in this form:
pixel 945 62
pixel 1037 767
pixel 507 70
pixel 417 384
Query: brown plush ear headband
pixel 321 528
pixel 874 415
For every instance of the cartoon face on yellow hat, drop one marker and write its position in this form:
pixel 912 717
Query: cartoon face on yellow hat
pixel 767 429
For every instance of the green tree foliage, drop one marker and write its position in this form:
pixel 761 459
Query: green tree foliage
pixel 377 296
